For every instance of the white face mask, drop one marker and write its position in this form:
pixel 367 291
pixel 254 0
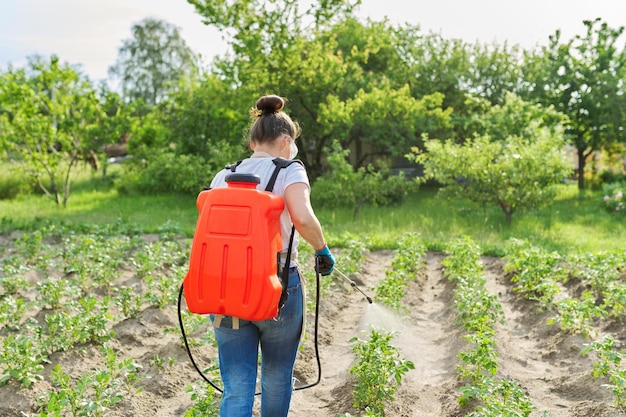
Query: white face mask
pixel 293 149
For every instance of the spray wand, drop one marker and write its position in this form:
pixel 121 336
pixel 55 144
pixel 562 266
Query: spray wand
pixel 353 284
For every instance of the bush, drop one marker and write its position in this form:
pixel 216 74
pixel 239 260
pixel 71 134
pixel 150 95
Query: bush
pixel 343 186
pixel 609 177
pixel 613 197
pixel 12 183
pixel 165 173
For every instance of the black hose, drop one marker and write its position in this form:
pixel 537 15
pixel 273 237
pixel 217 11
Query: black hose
pixel 315 329
pixel 182 331
pixel 317 353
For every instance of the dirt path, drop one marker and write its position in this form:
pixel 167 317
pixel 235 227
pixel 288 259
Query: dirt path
pixel 546 362
pixel 426 336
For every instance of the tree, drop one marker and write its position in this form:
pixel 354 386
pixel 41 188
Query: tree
pixel 277 48
pixel 153 61
pixel 462 72
pixel 384 121
pixel 584 79
pixel 51 114
pixel 514 172
pixel 515 117
pixel 207 118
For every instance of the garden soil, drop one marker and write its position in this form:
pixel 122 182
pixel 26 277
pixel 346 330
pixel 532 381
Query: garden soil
pixel 547 363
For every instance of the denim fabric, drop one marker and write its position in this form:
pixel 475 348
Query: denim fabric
pixel 238 357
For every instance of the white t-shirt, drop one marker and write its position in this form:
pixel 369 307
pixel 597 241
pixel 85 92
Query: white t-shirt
pixel 264 168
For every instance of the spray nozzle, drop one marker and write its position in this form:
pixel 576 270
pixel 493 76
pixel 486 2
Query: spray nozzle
pixel 353 284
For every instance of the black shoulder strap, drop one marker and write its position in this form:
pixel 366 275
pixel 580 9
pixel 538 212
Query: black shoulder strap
pixel 233 167
pixel 280 164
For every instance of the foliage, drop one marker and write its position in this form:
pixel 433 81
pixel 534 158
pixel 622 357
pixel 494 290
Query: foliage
pixel 205 403
pixel 584 78
pixel 49 117
pixel 478 313
pixel 499 398
pixel 153 61
pixel 613 198
pixel 610 363
pixel 208 119
pixel 538 274
pixel 79 308
pixel 12 184
pixel 535 272
pixel 352 255
pixel 166 172
pixel 602 273
pixel 513 173
pixel 94 393
pixel 378 370
pixel 516 117
pixel 383 121
pixel 577 315
pixel 470 76
pixel 22 357
pixel 406 263
pixel 344 186
pixel 306 53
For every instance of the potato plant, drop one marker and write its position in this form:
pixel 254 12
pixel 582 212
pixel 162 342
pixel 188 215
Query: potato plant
pixel 93 393
pixel 538 275
pixel 478 312
pixel 407 261
pixel 610 363
pixel 535 272
pixel 604 298
pixel 77 300
pixel 602 273
pixel 378 371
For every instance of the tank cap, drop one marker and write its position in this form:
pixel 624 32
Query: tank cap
pixel 250 178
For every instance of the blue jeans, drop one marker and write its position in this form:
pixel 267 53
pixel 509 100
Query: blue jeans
pixel 238 357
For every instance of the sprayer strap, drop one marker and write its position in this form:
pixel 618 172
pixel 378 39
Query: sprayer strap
pixel 233 167
pixel 284 278
pixel 280 163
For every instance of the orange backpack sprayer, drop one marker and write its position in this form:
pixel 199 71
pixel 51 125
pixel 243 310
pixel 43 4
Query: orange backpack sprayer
pixel 235 255
pixel 233 266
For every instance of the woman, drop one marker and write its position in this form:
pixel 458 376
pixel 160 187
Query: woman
pixel 272 135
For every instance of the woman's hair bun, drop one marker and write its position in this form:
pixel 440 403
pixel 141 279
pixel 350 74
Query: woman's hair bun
pixel 270 104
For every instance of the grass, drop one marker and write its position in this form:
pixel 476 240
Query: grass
pixel 575 222
pixel 96 202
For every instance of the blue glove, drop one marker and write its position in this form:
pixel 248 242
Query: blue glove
pixel 324 261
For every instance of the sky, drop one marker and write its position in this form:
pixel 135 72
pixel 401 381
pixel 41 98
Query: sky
pixel 89 33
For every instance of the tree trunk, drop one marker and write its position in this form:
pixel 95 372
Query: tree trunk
pixel 582 158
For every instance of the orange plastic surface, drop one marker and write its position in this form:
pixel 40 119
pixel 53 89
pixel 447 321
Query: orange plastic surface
pixel 233 260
